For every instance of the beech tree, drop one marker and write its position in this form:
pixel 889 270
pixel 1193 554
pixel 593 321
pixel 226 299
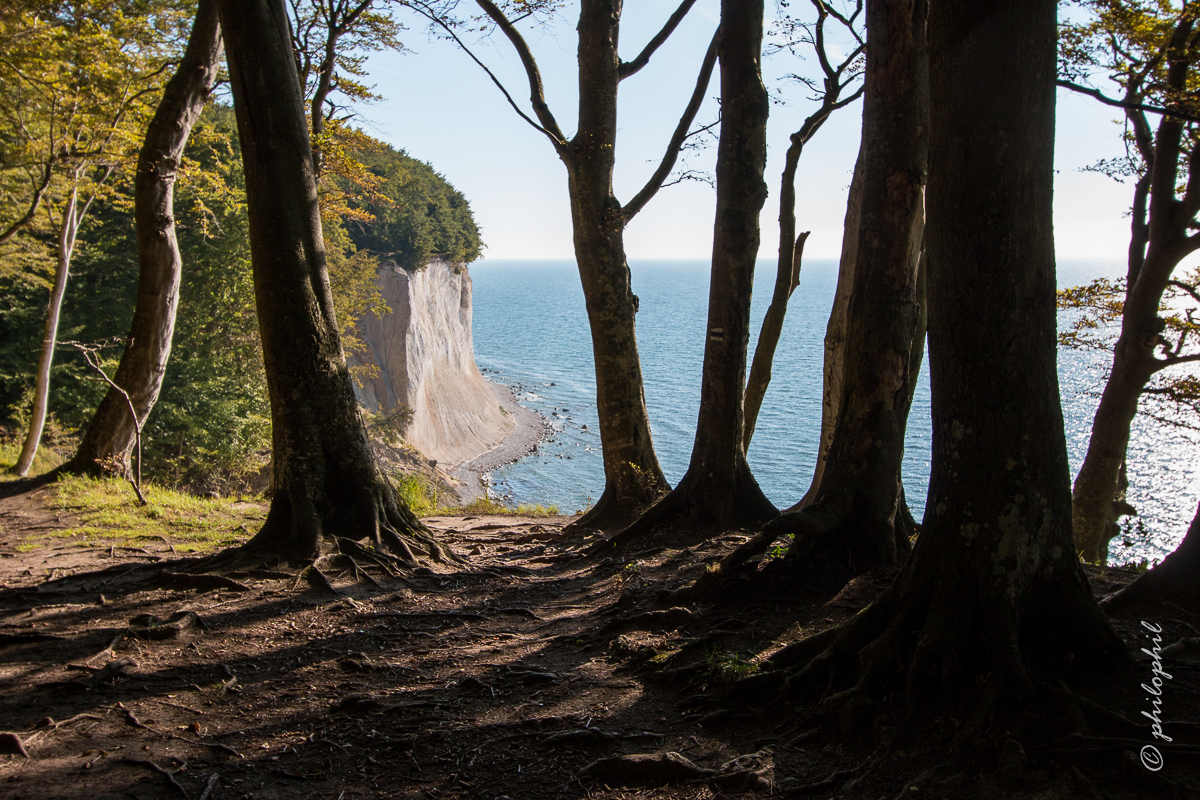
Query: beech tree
pixel 837 78
pixel 110 436
pixel 854 517
pixel 326 487
pixel 856 506
pixel 77 80
pixel 1151 51
pixel 633 477
pixel 718 491
pixel 993 591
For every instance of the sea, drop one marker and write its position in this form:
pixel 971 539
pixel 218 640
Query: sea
pixel 531 332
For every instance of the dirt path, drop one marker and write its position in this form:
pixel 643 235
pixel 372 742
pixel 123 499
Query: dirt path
pixel 510 680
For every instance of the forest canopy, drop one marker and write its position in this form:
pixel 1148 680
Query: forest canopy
pixel 211 428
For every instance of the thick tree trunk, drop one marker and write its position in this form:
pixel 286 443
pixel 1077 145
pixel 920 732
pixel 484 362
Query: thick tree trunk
pixel 718 491
pixel 850 522
pixel 110 437
pixel 325 482
pixel 1178 576
pixel 993 584
pixel 41 387
pixel 633 477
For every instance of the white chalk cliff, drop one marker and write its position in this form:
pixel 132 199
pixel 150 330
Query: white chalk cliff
pixel 426 360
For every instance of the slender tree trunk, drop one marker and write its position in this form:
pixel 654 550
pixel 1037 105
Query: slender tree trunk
pixel 718 491
pixel 1096 486
pixel 850 522
pixel 787 280
pixel 1161 237
pixel 110 437
pixel 993 585
pixel 41 389
pixel 633 477
pixel 325 482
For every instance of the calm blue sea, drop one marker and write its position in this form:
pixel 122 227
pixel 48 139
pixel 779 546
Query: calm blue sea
pixel 531 332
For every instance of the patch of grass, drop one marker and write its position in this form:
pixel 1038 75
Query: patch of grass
pixel 725 667
pixel 486 505
pixel 45 460
pixel 110 514
pixel 423 497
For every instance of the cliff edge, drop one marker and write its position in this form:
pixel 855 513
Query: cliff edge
pixel 425 360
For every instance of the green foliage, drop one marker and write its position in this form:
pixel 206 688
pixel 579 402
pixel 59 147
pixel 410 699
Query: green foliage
pixel 424 215
pixel 424 498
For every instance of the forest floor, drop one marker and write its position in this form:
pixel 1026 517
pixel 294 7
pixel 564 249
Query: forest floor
pixel 516 678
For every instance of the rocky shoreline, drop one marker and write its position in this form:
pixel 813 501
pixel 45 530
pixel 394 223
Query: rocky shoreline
pixel 529 430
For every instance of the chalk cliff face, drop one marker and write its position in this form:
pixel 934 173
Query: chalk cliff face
pixel 426 361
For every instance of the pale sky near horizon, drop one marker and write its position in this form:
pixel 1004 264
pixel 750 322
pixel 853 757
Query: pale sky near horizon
pixel 441 107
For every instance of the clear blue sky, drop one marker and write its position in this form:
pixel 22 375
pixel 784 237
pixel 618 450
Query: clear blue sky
pixel 441 108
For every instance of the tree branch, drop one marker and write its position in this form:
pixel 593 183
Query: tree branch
pixel 628 68
pixel 1127 105
pixel 681 133
pixel 47 174
pixel 1185 287
pixel 537 94
pixel 423 9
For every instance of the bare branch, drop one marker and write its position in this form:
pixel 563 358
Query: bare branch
pixel 424 10
pixel 681 134
pixel 628 68
pixel 537 94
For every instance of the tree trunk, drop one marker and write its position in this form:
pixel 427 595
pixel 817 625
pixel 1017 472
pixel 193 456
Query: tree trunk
pixel 632 475
pixel 1096 485
pixel 325 482
pixel 1177 577
pixel 850 522
pixel 993 584
pixel 1161 238
pixel 41 388
pixel 110 437
pixel 718 492
pixel 833 373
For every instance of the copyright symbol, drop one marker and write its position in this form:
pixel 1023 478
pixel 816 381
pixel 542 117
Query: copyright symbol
pixel 1151 758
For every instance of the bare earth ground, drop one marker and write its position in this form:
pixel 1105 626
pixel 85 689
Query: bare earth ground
pixel 504 680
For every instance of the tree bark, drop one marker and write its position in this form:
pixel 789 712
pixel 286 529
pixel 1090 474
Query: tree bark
pixel 833 371
pixel 110 437
pixel 850 522
pixel 633 478
pixel 67 232
pixel 1161 237
pixel 718 491
pixel 325 482
pixel 993 585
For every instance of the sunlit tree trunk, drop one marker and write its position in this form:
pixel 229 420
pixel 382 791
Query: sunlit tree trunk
pixel 110 436
pixel 72 215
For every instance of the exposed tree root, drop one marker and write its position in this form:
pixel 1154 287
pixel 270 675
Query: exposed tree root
pixel 695 510
pixel 938 639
